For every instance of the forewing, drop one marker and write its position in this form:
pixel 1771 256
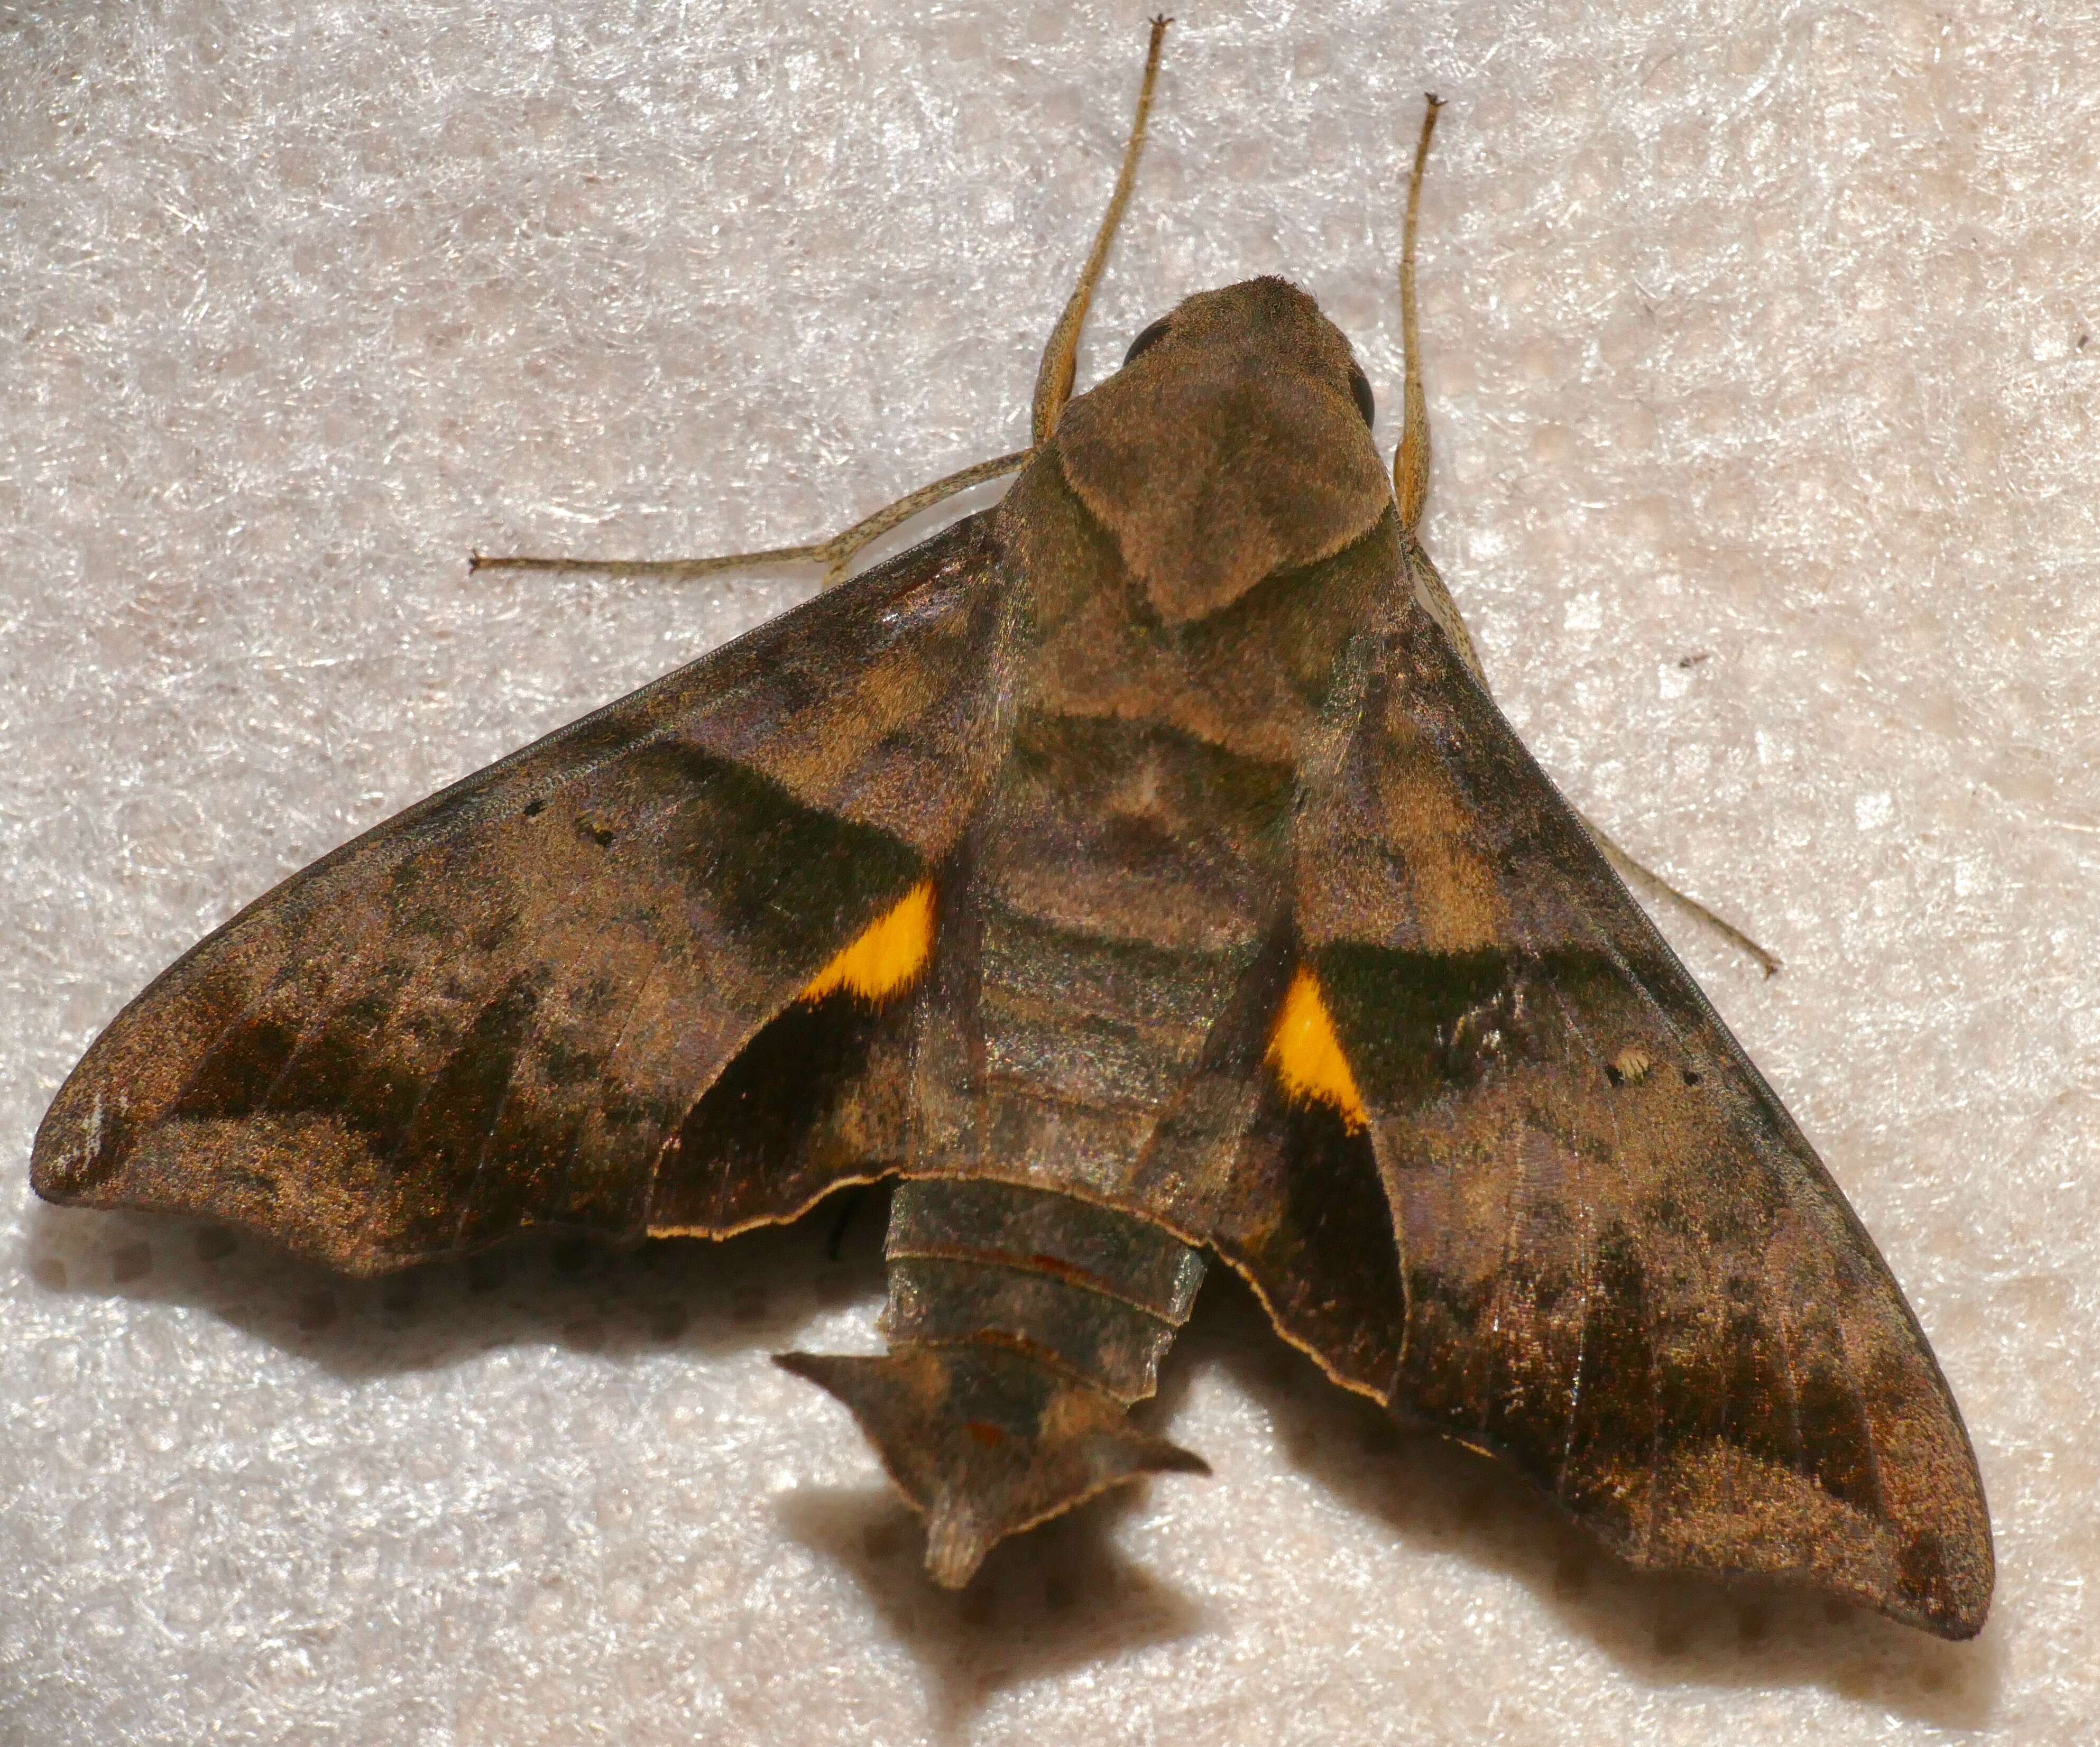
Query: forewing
pixel 507 1006
pixel 1621 1267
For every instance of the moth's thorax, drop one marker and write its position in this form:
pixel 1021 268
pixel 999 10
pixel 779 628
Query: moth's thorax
pixel 1231 450
pixel 1162 539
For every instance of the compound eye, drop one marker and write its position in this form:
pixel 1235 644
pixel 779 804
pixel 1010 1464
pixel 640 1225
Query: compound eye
pixel 1146 341
pixel 1360 386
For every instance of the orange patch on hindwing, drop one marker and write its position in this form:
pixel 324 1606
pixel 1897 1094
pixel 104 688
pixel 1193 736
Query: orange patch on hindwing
pixel 887 955
pixel 1307 1056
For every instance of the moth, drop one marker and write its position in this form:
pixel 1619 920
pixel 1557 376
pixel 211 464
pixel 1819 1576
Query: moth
pixel 1139 871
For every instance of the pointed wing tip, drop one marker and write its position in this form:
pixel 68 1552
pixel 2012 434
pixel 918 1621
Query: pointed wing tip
pixel 1958 1627
pixel 1957 1602
pixel 49 1180
pixel 1935 1574
pixel 1958 1617
pixel 68 1174
pixel 62 1170
pixel 1946 1565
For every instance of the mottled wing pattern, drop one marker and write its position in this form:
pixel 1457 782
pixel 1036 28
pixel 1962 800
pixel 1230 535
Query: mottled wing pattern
pixel 1620 1265
pixel 514 1004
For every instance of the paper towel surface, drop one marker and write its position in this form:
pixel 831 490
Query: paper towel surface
pixel 1761 360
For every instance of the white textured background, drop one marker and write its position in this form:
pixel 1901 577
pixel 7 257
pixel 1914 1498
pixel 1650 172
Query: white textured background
pixel 1761 367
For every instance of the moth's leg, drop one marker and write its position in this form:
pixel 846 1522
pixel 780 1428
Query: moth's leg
pixel 1410 484
pixel 1053 380
pixel 1639 875
pixel 835 555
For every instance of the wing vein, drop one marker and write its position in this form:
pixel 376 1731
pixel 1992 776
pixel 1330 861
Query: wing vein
pixel 1399 1202
pixel 246 1011
pixel 494 1121
pixel 1647 1317
pixel 1797 1446
pixel 1866 1422
pixel 1585 1261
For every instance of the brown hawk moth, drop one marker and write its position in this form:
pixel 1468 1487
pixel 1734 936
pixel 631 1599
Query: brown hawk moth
pixel 1139 871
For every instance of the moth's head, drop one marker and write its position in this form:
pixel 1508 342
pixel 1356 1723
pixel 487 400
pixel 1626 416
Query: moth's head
pixel 1271 324
pixel 1234 443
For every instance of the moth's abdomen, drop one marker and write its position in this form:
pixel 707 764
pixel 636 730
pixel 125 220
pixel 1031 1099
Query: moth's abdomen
pixel 1022 1323
pixel 1092 1291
